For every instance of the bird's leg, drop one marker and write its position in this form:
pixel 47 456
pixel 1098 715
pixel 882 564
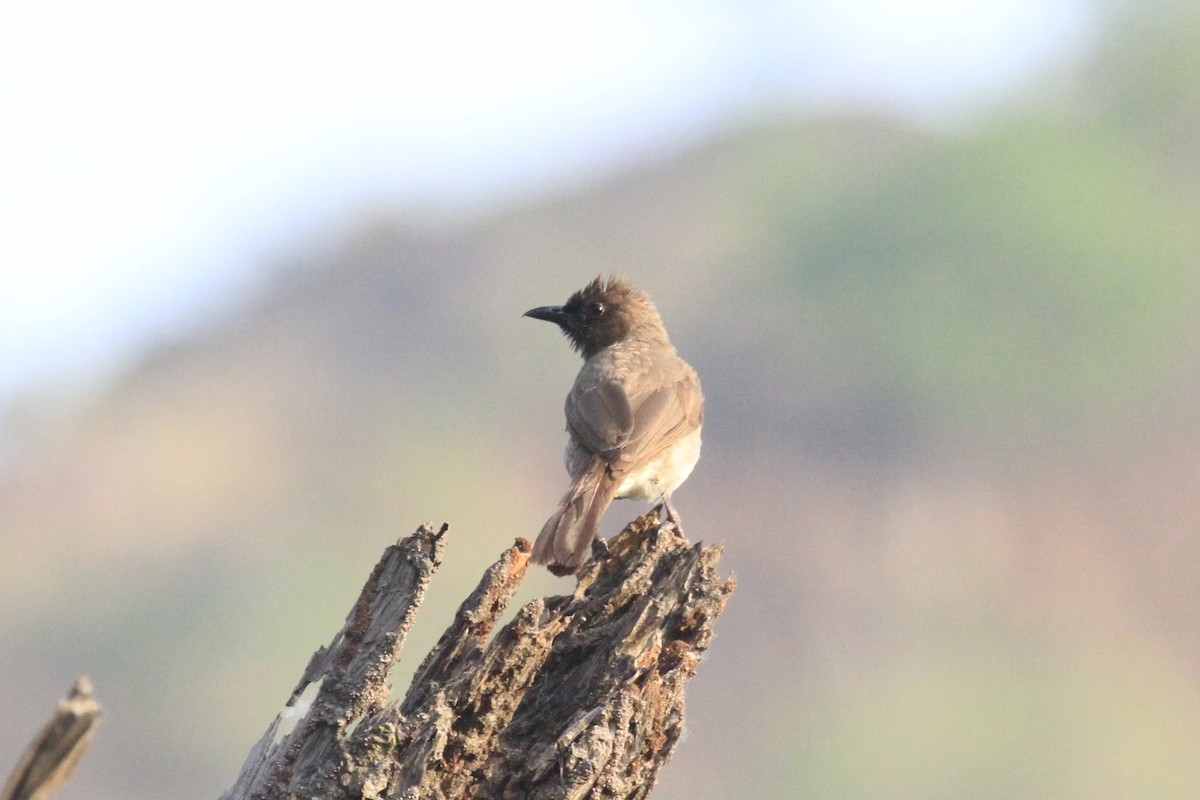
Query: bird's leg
pixel 672 515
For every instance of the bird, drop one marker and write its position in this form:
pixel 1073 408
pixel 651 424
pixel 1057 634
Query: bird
pixel 634 415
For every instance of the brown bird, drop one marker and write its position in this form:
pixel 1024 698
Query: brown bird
pixel 633 415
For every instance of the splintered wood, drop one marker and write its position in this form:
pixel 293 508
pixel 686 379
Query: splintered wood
pixel 52 755
pixel 580 696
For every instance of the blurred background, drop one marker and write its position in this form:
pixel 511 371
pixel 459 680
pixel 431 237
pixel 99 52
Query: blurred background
pixel 262 273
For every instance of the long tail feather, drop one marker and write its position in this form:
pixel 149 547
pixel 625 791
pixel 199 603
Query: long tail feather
pixel 567 536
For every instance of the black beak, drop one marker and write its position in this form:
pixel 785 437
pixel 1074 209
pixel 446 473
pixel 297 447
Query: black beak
pixel 554 314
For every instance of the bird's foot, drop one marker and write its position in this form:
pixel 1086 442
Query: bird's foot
pixel 600 548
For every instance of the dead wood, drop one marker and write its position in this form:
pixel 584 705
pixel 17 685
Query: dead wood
pixel 52 755
pixel 579 696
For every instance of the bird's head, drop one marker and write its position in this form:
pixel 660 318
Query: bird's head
pixel 603 313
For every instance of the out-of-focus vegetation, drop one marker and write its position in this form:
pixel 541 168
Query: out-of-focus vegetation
pixel 951 442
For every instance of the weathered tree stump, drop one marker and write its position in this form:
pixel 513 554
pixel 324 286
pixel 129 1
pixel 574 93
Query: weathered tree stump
pixel 579 696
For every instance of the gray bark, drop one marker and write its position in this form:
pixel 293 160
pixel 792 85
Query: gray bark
pixel 579 696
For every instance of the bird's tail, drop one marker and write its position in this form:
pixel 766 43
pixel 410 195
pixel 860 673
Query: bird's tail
pixel 567 536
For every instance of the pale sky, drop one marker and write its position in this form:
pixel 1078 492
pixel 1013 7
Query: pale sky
pixel 153 155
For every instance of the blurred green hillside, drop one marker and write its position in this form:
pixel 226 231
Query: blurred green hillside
pixel 951 443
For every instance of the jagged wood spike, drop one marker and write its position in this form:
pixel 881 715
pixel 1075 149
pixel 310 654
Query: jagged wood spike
pixel 578 696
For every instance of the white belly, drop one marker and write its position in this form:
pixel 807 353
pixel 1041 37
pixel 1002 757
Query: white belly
pixel 664 474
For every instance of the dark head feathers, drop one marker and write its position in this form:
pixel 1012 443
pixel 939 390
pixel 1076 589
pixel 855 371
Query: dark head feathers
pixel 603 313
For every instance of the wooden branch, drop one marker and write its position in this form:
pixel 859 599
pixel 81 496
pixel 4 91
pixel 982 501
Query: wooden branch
pixel 51 757
pixel 353 671
pixel 579 696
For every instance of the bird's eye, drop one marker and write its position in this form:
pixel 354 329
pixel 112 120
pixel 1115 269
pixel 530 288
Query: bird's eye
pixel 595 309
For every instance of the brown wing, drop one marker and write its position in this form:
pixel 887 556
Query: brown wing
pixel 631 428
pixel 601 418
